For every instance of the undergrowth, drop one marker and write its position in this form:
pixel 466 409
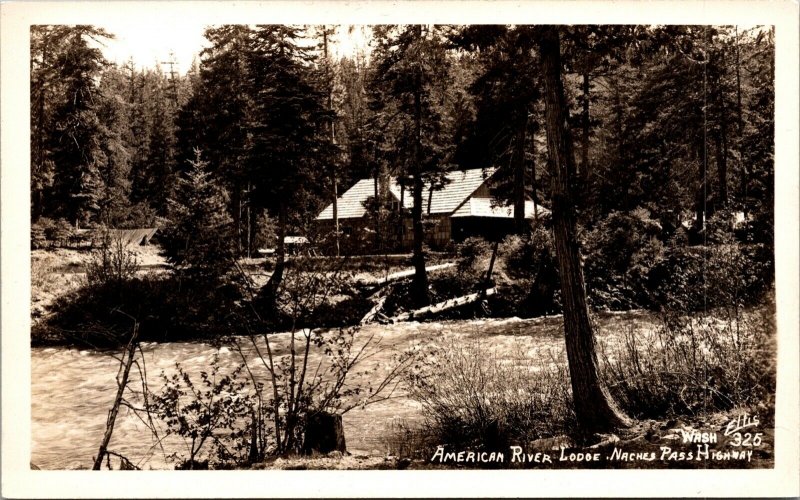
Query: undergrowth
pixel 688 365
pixel 472 396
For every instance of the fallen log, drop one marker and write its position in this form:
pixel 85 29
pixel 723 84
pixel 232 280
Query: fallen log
pixel 403 274
pixel 374 311
pixel 443 306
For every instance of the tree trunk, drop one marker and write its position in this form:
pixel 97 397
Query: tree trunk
pixel 37 195
pixel 419 284
pixel 595 409
pixel 534 195
pixel 720 143
pixel 585 122
pixel 334 181
pixel 336 213
pixel 745 172
pixel 249 223
pixel 236 201
pixel 519 176
pixel 274 283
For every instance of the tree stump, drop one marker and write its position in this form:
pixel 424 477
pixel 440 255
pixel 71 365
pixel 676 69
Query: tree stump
pixel 324 433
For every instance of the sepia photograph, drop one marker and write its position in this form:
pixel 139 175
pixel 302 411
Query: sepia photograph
pixel 437 247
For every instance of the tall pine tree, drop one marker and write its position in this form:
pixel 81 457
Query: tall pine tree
pixel 288 145
pixel 410 78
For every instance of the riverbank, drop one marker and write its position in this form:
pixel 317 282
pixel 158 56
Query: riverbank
pixel 711 441
pixel 58 272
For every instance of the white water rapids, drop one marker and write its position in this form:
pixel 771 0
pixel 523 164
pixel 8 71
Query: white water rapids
pixel 73 389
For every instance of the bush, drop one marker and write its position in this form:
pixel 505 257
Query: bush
pixel 111 264
pixel 473 255
pixel 140 215
pixel 266 233
pixel 531 287
pixel 691 365
pixel 700 278
pixel 48 232
pixel 166 308
pixel 619 253
pixel 472 399
pixel 627 266
pixel 41 233
pixel 211 417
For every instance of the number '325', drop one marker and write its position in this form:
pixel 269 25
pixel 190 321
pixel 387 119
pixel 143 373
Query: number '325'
pixel 746 439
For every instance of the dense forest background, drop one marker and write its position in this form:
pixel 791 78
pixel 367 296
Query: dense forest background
pixel 671 123
pixel 673 129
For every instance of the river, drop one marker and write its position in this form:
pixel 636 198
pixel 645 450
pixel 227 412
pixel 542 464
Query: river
pixel 73 389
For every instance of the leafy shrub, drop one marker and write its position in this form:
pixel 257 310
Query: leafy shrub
pixel 140 215
pixel 471 398
pixel 48 232
pixel 619 253
pixel 111 264
pixel 265 235
pixel 41 233
pixel 347 311
pixel 473 255
pixel 700 278
pixel 719 228
pixel 532 285
pixel 167 309
pixel 211 416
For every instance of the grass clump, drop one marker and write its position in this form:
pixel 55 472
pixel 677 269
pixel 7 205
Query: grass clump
pixel 472 397
pixel 696 364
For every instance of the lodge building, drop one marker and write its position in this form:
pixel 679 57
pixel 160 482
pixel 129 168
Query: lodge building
pixel 459 208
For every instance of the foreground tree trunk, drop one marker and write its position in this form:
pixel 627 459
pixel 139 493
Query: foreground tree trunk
pixel 595 410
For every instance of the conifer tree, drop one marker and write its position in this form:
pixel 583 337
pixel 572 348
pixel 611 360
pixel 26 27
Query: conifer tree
pixel 410 78
pixel 47 93
pixel 595 409
pixel 77 132
pixel 216 118
pixel 505 91
pixel 198 239
pixel 288 145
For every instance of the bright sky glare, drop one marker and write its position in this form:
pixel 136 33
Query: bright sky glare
pixel 162 40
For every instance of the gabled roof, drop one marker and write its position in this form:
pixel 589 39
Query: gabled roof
pixel 351 203
pixel 461 184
